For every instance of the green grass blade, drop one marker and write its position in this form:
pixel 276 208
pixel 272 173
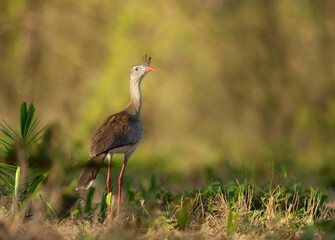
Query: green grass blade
pixel 272 177
pixel 52 209
pixel 23 117
pixel 89 198
pixel 283 170
pixel 235 222
pixel 67 216
pixel 43 177
pixel 37 184
pixel 32 191
pixel 103 207
pixel 61 220
pixel 230 220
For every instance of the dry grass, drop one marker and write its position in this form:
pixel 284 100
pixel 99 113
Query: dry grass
pixel 204 214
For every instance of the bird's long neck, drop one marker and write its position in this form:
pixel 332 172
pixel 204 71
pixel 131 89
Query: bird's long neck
pixel 135 104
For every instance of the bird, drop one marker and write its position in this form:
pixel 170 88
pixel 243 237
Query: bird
pixel 120 133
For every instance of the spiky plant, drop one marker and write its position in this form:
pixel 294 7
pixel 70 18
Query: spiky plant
pixel 28 134
pixel 10 174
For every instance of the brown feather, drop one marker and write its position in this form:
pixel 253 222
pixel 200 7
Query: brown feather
pixel 116 131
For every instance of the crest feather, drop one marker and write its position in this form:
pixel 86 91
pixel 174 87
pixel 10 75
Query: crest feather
pixel 146 60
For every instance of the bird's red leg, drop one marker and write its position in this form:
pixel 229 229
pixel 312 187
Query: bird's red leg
pixel 109 181
pixel 120 186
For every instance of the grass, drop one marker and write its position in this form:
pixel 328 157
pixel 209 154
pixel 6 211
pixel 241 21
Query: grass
pixel 34 204
pixel 216 211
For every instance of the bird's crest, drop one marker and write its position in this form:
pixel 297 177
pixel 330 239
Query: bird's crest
pixel 146 60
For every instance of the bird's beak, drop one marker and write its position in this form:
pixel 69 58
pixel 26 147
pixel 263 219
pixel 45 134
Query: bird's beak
pixel 149 69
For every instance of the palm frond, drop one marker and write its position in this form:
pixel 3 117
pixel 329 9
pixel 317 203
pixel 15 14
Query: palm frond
pixel 4 143
pixel 9 174
pixel 30 116
pixel 33 127
pixel 23 117
pixel 37 136
pixel 5 131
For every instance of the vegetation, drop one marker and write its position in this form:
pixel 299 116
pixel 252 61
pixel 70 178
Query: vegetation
pixel 238 118
pixel 216 210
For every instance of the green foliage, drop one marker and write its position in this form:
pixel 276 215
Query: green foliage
pixel 7 177
pixel 103 207
pixel 27 129
pixel 252 91
pixel 183 215
pixel 16 190
pixel 11 138
pixel 232 221
pixel 32 184
pixel 10 175
pixel 245 207
pixel 27 191
pixel 89 197
pixel 283 170
pixel 258 75
pixel 28 126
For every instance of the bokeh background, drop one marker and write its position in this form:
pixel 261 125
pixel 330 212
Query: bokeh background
pixel 237 86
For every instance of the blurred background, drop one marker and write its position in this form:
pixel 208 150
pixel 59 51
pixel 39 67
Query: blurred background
pixel 237 84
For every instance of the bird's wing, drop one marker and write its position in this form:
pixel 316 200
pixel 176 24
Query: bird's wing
pixel 111 134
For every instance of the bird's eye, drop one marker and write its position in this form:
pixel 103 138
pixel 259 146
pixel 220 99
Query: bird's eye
pixel 137 69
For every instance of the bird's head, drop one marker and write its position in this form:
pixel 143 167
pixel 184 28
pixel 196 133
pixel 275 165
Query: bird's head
pixel 139 71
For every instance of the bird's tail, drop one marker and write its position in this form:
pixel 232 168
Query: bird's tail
pixel 90 172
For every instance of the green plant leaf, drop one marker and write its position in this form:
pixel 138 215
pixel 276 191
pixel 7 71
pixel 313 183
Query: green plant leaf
pixel 230 220
pixel 16 190
pixel 5 143
pixel 37 136
pixel 283 170
pixel 37 184
pixel 13 133
pixel 214 207
pixel 235 222
pixel 61 220
pixel 89 198
pixel 103 207
pixel 30 116
pixel 8 181
pixel 108 199
pixel 5 131
pixel 32 128
pixel 23 117
pixel 52 209
pixel 33 189
pixel 17 180
pixel 183 215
